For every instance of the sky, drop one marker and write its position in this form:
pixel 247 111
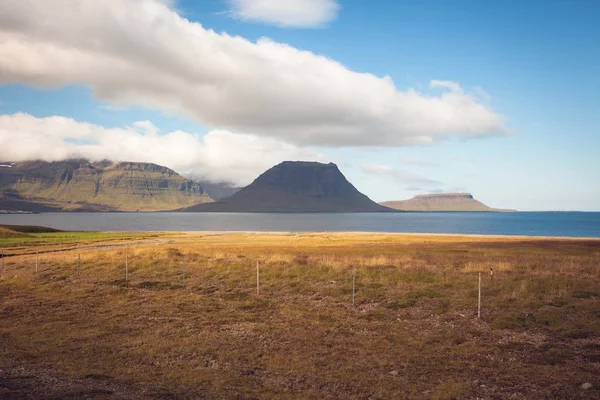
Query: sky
pixel 499 99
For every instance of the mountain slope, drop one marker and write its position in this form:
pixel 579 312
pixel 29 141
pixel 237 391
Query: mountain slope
pixel 441 202
pixel 218 191
pixel 296 187
pixel 80 185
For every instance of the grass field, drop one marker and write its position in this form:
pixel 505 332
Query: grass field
pixel 189 324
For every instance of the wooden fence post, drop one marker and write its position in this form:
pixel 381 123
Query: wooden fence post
pixel 257 279
pixel 353 285
pixel 479 298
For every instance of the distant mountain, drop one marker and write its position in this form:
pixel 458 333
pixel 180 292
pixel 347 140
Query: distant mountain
pixel 218 191
pixel 80 185
pixel 296 187
pixel 441 202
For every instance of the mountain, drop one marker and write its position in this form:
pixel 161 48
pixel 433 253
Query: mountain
pixel 219 190
pixel 81 185
pixel 441 202
pixel 296 186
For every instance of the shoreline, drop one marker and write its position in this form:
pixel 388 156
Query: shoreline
pixel 309 233
pixel 367 233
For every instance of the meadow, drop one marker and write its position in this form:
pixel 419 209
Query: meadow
pixel 338 316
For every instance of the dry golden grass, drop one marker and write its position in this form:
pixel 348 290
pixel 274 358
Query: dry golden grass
pixel 8 233
pixel 188 322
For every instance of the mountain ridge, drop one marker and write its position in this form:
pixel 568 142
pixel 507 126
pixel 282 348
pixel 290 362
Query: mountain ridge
pixel 82 185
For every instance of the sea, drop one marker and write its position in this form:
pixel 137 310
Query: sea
pixel 565 224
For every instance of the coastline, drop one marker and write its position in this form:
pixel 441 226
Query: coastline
pixel 366 233
pixel 289 233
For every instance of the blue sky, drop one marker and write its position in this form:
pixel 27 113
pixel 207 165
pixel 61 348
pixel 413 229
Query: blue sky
pixel 523 131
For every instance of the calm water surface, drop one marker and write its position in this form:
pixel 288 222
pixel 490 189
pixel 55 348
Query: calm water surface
pixel 582 224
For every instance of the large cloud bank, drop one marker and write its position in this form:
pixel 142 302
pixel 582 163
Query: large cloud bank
pixel 142 52
pixel 217 156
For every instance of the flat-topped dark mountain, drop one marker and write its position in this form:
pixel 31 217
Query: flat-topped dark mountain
pixel 441 202
pixel 296 186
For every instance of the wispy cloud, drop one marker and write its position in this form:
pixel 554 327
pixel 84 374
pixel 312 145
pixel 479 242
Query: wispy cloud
pixel 286 13
pixel 401 177
pixel 436 191
pixel 468 161
pixel 417 162
pixel 453 86
pixel 143 53
pixel 217 156
pixel 481 94
pixel 425 190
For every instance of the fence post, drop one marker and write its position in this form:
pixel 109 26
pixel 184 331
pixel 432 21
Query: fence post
pixel 36 262
pixel 79 266
pixel 479 298
pixel 2 256
pixel 353 285
pixel 126 266
pixel 257 279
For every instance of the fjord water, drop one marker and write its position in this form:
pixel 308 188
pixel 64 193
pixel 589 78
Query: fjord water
pixel 568 224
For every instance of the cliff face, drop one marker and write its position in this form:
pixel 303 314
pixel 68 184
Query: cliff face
pixel 80 185
pixel 441 202
pixel 296 187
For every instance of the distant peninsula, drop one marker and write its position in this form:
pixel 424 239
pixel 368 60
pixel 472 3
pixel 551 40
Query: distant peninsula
pixel 296 187
pixel 442 202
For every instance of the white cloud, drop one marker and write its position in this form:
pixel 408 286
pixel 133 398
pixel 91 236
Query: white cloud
pixel 453 86
pixel 141 52
pixel 286 13
pixel 401 177
pixel 217 156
